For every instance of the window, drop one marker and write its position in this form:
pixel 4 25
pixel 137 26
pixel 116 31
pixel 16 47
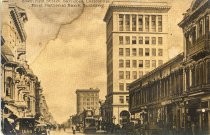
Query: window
pixel 140 23
pixel 160 52
pixel 141 63
pixel 134 74
pixel 153 40
pixel 147 63
pixel 159 23
pixel 134 40
pixel 127 63
pixel 160 62
pixel 153 23
pixel 121 86
pixel 121 63
pixel 146 51
pixel 160 40
pixel 153 51
pixel 140 74
pixel 121 40
pixel 134 51
pixel 133 22
pixel 140 40
pixel 121 74
pixel 147 23
pixel 127 99
pixel 146 40
pixel 127 86
pixel 154 63
pixel 120 22
pixel 127 52
pixel 127 22
pixel 8 87
pixel 121 99
pixel 127 38
pixel 140 51
pixel 127 74
pixel 200 28
pixel 207 24
pixel 134 63
pixel 120 51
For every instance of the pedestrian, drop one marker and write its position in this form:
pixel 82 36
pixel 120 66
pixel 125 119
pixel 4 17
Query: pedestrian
pixel 48 131
pixel 73 129
pixel 193 128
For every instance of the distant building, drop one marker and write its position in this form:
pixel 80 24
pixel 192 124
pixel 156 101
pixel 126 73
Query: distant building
pixel 87 99
pixel 137 42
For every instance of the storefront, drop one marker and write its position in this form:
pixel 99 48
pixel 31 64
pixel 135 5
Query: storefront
pixel 25 126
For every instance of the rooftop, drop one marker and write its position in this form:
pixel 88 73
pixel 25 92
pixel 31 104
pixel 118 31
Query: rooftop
pixel 88 90
pixel 136 4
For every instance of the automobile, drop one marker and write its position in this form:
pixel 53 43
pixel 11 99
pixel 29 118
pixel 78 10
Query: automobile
pixel 41 129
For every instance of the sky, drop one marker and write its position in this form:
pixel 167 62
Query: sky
pixel 66 49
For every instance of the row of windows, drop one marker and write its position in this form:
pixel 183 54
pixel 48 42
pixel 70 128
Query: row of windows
pixel 148 63
pixel 127 74
pixel 89 99
pixel 122 85
pixel 197 32
pixel 170 86
pixel 140 40
pixel 198 75
pixel 122 99
pixel 90 103
pixel 146 52
pixel 89 94
pixel 89 107
pixel 128 22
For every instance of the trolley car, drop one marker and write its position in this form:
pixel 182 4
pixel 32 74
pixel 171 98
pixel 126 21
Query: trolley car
pixel 90 123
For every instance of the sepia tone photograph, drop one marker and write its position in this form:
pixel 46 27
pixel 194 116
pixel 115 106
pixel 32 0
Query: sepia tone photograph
pixel 105 67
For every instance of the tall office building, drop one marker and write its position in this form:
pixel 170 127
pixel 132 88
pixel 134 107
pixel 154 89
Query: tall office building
pixel 137 41
pixel 87 99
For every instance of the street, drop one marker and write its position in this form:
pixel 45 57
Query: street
pixel 69 132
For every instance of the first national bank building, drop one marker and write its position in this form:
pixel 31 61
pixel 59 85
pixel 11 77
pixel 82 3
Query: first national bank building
pixel 137 41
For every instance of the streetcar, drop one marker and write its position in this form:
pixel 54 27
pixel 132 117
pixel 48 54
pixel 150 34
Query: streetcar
pixel 90 123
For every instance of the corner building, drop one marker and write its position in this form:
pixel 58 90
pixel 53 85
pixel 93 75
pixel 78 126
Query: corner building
pixel 175 97
pixel 137 41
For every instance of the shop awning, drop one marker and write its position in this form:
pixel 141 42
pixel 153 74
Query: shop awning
pixel 13 110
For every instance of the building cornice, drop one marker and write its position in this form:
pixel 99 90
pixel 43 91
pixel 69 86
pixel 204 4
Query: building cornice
pixel 191 14
pixel 18 24
pixel 135 6
pixel 87 90
pixel 178 57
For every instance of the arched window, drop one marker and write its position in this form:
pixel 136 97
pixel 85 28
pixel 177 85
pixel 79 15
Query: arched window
pixel 201 74
pixel 200 28
pixel 8 87
pixel 207 25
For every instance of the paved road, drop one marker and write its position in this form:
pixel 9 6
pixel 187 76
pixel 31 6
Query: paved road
pixel 69 132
